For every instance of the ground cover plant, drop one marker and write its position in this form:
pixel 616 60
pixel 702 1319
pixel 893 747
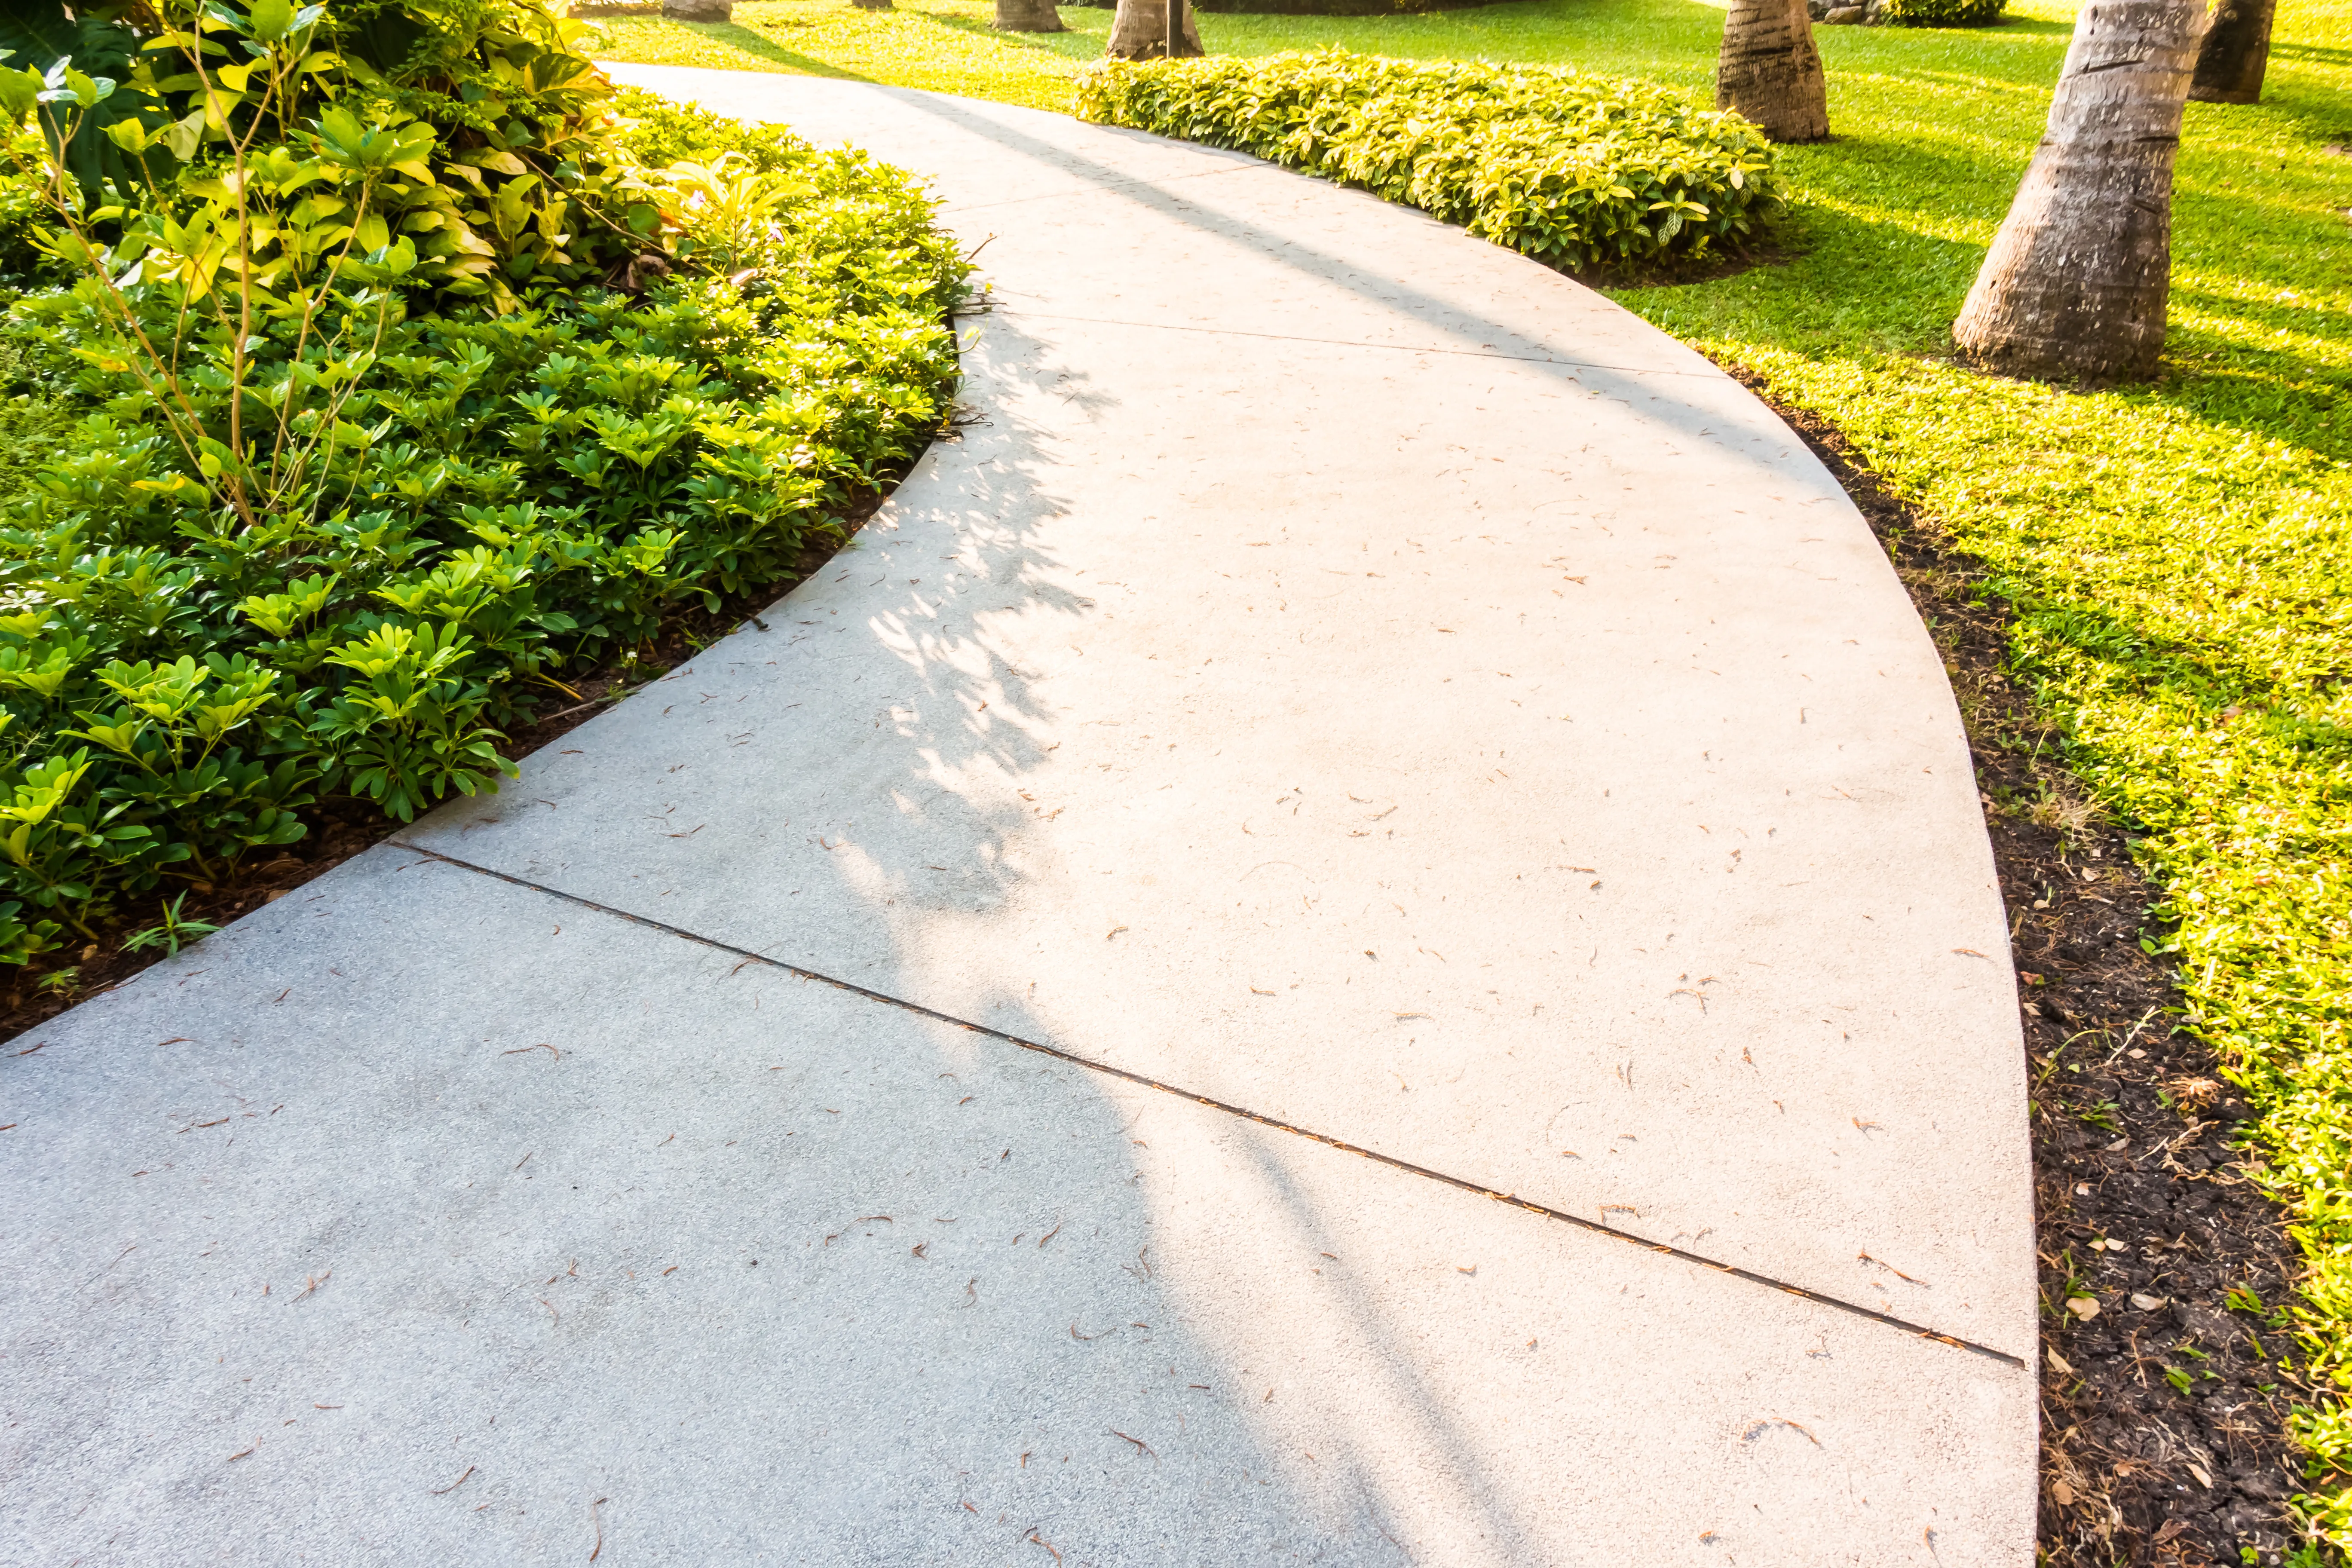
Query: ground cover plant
pixel 2172 561
pixel 386 374
pixel 1575 170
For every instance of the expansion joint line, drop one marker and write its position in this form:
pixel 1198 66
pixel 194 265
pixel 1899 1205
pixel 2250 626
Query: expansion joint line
pixel 1917 1331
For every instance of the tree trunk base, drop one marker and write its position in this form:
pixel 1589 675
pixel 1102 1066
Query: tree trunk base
pixel 1769 70
pixel 1140 32
pixel 2236 51
pixel 2060 364
pixel 2075 284
pixel 1027 16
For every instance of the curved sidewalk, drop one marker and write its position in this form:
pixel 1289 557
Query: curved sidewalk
pixel 1345 685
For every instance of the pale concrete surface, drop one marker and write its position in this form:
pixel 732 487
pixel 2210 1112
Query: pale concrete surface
pixel 1530 770
pixel 1405 696
pixel 670 1261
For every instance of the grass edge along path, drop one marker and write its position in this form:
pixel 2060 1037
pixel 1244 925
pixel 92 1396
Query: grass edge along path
pixel 2226 817
pixel 2175 557
pixel 2116 1175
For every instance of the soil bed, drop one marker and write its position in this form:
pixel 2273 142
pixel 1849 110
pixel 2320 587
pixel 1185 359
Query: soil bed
pixel 2163 1412
pixel 1776 244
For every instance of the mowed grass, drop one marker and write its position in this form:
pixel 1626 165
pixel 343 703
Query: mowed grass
pixel 945 46
pixel 2178 556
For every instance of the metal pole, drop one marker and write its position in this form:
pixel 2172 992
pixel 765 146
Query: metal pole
pixel 1175 26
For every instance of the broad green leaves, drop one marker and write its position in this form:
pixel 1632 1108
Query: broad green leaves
pixel 488 503
pixel 270 20
pixel 68 74
pixel 348 146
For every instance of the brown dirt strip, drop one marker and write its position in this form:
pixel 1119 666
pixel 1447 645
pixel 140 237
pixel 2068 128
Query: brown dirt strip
pixel 2163 1416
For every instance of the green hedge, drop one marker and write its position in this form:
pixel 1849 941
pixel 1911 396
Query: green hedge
pixel 1576 171
pixel 1941 13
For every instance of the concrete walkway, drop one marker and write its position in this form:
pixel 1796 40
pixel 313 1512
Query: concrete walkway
pixel 899 1091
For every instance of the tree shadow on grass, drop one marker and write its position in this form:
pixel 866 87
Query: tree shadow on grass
pixel 1073 43
pixel 2304 110
pixel 1920 183
pixel 759 45
pixel 2310 54
pixel 2030 26
pixel 2230 368
pixel 2205 676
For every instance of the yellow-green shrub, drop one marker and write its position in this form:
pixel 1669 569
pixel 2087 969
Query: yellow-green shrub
pixel 1573 170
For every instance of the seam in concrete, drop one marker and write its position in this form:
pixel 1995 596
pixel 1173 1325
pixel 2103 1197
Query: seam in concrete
pixel 1016 311
pixel 1611 1232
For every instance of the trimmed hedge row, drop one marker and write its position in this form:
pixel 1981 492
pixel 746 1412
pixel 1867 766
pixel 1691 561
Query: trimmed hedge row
pixel 1576 171
pixel 1942 13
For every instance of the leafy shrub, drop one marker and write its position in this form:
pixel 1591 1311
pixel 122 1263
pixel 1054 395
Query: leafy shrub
pixel 470 128
pixel 1572 170
pixel 385 412
pixel 38 32
pixel 1941 13
pixel 22 214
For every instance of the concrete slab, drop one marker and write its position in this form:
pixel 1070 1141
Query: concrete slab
pixel 1342 669
pixel 1523 764
pixel 422 1217
pixel 1351 267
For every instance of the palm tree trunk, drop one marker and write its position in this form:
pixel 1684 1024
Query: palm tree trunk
pixel 2229 65
pixel 2076 282
pixel 1140 31
pixel 1028 16
pixel 1770 71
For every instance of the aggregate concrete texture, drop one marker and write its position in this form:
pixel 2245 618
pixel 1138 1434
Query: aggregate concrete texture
pixel 1341 670
pixel 1416 699
pixel 785 1274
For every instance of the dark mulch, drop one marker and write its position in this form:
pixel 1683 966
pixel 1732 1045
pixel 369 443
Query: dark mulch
pixel 1776 246
pixel 2163 1414
pixel 341 829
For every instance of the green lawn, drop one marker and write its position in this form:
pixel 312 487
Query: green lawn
pixel 2179 557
